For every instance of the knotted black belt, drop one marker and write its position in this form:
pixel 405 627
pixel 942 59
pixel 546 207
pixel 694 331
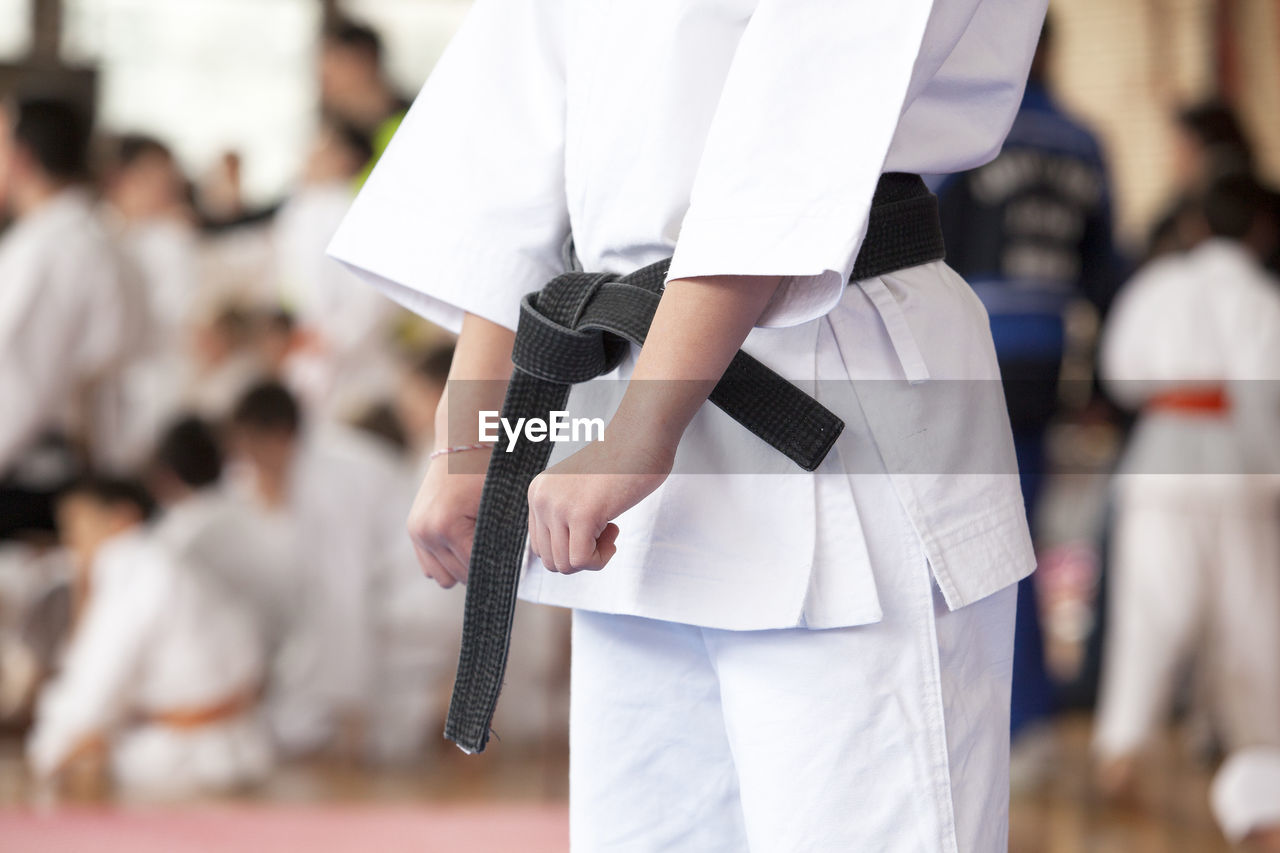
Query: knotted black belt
pixel 580 326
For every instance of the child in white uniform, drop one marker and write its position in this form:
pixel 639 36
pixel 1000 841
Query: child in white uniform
pixel 72 314
pixel 1194 340
pixel 747 137
pixel 163 671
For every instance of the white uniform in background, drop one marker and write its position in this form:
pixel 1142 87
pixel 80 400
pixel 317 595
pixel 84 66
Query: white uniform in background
pixel 351 320
pixel 213 393
pixel 342 508
pixel 1246 792
pixel 747 137
pixel 236 267
pixel 164 253
pixel 72 316
pixel 156 640
pixel 1196 558
pixel 250 555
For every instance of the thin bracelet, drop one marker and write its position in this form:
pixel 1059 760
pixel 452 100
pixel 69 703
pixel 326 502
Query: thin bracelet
pixel 459 448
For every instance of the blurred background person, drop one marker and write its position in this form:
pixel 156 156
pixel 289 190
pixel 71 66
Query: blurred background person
pixel 146 204
pixel 1209 143
pixel 340 493
pixel 159 688
pixel 223 361
pixel 204 525
pixel 354 86
pixel 1194 343
pixel 146 198
pixel 72 313
pixel 1031 231
pixel 346 363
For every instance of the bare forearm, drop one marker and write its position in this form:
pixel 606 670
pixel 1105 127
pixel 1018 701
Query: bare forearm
pixel 699 325
pixel 478 376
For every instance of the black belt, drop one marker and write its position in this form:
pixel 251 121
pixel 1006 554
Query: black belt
pixel 580 326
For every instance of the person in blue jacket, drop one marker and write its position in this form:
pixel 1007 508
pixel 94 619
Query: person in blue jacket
pixel 1032 232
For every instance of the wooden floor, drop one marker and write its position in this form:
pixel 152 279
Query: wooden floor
pixel 1063 815
pixel 1170 813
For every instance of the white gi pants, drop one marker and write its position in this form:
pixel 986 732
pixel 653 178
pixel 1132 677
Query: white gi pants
pixel 162 763
pixel 1246 792
pixel 1195 575
pixel 886 737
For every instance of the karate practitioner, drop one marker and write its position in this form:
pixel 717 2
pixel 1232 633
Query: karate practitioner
pixel 346 364
pixel 330 486
pixel 223 363
pixel 146 207
pixel 768 661
pixel 145 195
pixel 1194 342
pixel 250 556
pixel 354 86
pixel 71 313
pixel 1031 231
pixel 162 675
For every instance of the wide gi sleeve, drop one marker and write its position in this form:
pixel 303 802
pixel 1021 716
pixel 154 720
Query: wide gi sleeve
pixel 466 211
pixel 799 139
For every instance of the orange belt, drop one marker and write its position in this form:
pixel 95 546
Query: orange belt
pixel 195 718
pixel 1195 401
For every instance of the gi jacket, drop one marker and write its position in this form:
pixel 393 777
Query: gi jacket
pixel 155 637
pixel 72 315
pixel 1206 318
pixel 745 136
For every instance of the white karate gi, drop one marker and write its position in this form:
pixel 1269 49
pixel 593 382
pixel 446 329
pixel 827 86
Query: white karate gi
pixel 164 253
pixel 747 136
pixel 1196 560
pixel 1246 792
pixel 155 638
pixel 251 556
pixel 351 320
pixel 345 499
pixel 72 315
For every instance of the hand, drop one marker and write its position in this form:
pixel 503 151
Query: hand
pixel 699 325
pixel 442 522
pixel 572 504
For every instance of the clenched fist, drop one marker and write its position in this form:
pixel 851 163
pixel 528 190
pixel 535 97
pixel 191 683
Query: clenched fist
pixel 572 504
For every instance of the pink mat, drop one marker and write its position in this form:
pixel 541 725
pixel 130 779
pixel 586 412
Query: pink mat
pixel 250 829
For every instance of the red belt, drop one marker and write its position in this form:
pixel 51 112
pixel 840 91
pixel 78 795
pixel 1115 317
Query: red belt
pixel 1196 401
